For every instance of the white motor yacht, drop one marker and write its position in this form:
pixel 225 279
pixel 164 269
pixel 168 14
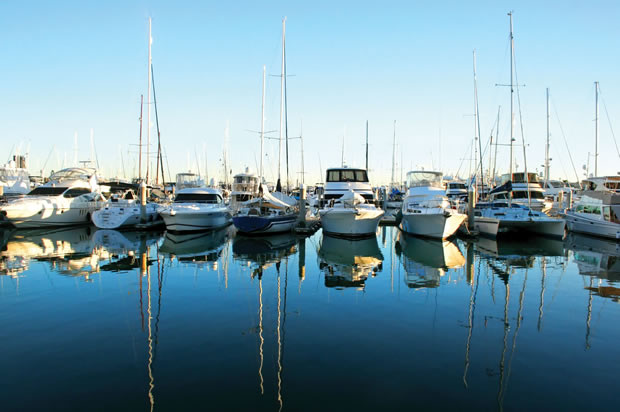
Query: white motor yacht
pixel 196 209
pixel 426 209
pixel 596 213
pixel 350 216
pixel 68 198
pixel 14 177
pixel 244 187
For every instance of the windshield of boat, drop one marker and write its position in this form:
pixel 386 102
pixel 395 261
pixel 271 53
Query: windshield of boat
pixel 47 191
pixel 71 174
pixel 347 175
pixel 198 198
pixel 415 179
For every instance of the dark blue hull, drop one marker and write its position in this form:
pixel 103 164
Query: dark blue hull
pixel 262 224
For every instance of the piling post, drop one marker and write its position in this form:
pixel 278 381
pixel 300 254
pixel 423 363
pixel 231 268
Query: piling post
pixel 142 202
pixel 302 204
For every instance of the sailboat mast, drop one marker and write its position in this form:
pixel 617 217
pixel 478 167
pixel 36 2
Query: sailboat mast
pixel 366 145
pixel 281 102
pixel 262 130
pixel 475 180
pixel 288 189
pixel 496 141
pixel 477 125
pixel 393 153
pixel 596 131
pixel 547 146
pixel 512 114
pixel 301 136
pixel 148 112
pixel 140 141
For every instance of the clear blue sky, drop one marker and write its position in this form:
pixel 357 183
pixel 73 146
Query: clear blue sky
pixel 73 66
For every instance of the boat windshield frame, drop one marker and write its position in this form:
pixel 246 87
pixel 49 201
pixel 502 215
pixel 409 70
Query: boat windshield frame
pixel 426 179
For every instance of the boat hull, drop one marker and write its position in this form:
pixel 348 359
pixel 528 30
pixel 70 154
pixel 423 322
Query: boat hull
pixel 436 225
pixel 48 214
pixel 350 222
pixel 486 226
pixel 194 221
pixel 547 227
pixel 249 224
pixel 596 227
pixel 123 217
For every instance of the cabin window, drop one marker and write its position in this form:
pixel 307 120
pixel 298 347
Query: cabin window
pixel 78 191
pixel 606 213
pixel 197 198
pixel 347 175
pixel 47 191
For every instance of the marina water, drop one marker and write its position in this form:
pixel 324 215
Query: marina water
pixel 103 320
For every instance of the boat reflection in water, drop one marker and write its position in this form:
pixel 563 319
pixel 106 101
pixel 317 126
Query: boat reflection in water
pixel 426 260
pixel 125 243
pixel 347 263
pixel 520 252
pixel 203 247
pixel 260 252
pixel 69 251
pixel 598 258
pixel 124 248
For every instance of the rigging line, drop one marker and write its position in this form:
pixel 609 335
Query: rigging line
pixel 557 117
pixel 609 121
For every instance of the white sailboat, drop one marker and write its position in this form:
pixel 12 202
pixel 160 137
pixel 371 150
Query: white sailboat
pixel 513 216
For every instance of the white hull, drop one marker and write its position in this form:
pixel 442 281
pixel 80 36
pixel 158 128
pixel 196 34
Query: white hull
pixel 440 225
pixel 183 221
pixel 486 226
pixel 547 227
pixel 123 217
pixel 50 213
pixel 350 222
pixel 592 226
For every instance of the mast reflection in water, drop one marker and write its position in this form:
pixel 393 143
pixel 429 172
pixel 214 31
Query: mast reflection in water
pixel 156 321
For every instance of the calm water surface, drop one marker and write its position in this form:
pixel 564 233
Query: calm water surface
pixel 102 320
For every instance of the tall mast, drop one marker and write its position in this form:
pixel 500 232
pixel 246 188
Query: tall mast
pixel 477 126
pixel 596 131
pixel 281 101
pixel 496 141
pixel 393 153
pixel 366 145
pixel 262 130
pixel 140 141
pixel 288 189
pixel 512 114
pixel 301 136
pixel 148 112
pixel 547 146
